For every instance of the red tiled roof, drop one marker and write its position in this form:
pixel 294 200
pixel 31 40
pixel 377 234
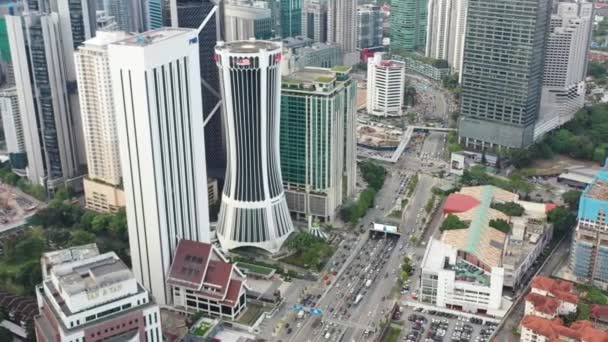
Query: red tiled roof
pixel 189 264
pixel 582 331
pixel 547 305
pixel 232 296
pixel 560 289
pixel 599 311
pixel 218 274
pixel 549 207
pixel 458 203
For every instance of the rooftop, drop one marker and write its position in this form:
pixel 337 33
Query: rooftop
pixel 554 330
pixel 559 289
pixel 93 275
pixel 544 304
pixel 154 36
pixel 248 46
pixel 309 75
pixel 70 254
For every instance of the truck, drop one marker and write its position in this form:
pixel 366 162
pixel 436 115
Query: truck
pixel 368 283
pixel 358 298
pixel 300 314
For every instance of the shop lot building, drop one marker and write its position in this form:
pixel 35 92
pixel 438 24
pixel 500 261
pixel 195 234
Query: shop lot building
pixel 467 268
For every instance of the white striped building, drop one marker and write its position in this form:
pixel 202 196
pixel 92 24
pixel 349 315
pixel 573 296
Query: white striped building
pixel 254 211
pixel 156 83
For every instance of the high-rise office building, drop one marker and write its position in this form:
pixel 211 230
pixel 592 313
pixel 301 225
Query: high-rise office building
pixel 41 82
pixel 318 109
pixel 192 14
pixel 342 28
pixel 314 20
pixel 126 13
pixel 246 19
pixel 500 88
pixel 563 92
pixel 408 24
pixel 369 26
pixel 446 26
pixel 253 211
pixel 291 18
pixel 87 296
pixel 385 85
pixel 589 249
pixel 156 14
pixel 11 120
pixel 157 87
pixel 101 187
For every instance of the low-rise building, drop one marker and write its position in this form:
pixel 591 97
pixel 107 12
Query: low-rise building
pixel 466 268
pixel 539 329
pixel 202 279
pixel 550 298
pixel 87 296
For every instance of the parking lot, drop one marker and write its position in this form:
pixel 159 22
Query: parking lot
pixel 437 326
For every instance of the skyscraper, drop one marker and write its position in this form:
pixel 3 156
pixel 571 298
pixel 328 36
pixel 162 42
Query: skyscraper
pixel 41 82
pixel 369 26
pixel 408 24
pixel 342 27
pixel 445 32
pixel 502 72
pixel 253 211
pixel 126 13
pixel 563 92
pixel 156 85
pixel 385 85
pixel 155 14
pixel 101 187
pixel 243 18
pixel 318 109
pixel 291 18
pixel 191 14
pixel 13 129
pixel 314 20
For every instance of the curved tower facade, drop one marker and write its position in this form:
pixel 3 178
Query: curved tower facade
pixel 254 210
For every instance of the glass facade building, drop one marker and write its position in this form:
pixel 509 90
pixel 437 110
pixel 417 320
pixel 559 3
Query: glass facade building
pixel 190 14
pixel 502 72
pixel 408 24
pixel 291 18
pixel 317 123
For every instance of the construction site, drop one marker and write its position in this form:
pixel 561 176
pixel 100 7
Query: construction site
pixel 15 206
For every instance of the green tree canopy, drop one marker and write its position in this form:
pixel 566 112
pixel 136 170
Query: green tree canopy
pixel 571 198
pixel 453 222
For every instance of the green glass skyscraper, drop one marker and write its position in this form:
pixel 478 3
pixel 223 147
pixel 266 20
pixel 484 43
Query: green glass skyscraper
pixel 291 18
pixel 317 141
pixel 408 24
pixel 502 72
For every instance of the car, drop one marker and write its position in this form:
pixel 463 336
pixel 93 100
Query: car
pixel 289 331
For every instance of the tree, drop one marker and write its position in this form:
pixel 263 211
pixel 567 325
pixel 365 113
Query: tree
pixel 453 222
pixel 596 69
pixel 5 334
pixel 509 208
pixel 81 237
pixel 501 225
pixel 563 220
pixel 28 249
pixel 571 198
pixel 28 274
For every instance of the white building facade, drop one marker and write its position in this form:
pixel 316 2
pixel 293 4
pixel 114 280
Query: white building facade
pixel 569 39
pixel 385 86
pixel 156 85
pixel 254 210
pixel 99 120
pixel 342 28
pixel 87 296
pixel 40 79
pixel 446 27
pixel 11 120
pixel 240 17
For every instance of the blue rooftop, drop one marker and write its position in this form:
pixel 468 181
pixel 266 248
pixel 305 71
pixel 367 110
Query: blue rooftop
pixel 595 197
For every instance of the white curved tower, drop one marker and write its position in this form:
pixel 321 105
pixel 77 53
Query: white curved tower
pixel 254 211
